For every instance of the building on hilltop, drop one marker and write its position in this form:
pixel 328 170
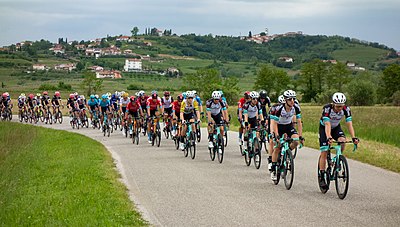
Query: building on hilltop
pixel 114 74
pixel 39 67
pixel 66 67
pixel 133 64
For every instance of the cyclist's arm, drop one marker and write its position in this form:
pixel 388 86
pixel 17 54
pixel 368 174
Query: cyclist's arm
pixel 299 126
pixel 351 129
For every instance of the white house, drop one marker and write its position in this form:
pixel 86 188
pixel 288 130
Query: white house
pixel 66 67
pixel 114 74
pixel 123 38
pixel 351 64
pixel 132 64
pixel 39 67
pixel 286 59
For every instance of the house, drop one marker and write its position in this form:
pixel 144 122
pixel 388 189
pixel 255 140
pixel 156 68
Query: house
pixel 286 59
pixel 330 61
pixel 123 38
pixel 159 32
pixel 113 50
pixel 80 47
pixel 96 68
pixel 145 57
pixel 39 67
pixel 128 51
pixel 351 64
pixel 359 68
pixel 114 74
pixel 149 44
pixel 95 52
pixel 66 67
pixel 133 64
pixel 57 49
pixel 173 71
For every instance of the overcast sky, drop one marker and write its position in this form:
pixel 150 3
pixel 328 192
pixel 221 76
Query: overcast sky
pixel 371 20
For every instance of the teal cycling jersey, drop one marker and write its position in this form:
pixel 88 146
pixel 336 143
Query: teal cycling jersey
pixel 104 103
pixel 93 102
pixel 198 99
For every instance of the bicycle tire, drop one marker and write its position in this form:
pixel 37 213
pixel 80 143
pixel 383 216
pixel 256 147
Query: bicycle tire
pixel 50 117
pixel 159 138
pixel 198 133
pixel 212 153
pixel 247 157
pixel 137 135
pixel 176 140
pixel 257 153
pixel 187 147
pixel 104 129
pixel 288 176
pixel 153 137
pixel 221 146
pixel 226 138
pixel 295 153
pixel 41 115
pixel 327 178
pixel 60 117
pixel 343 168
pixel 193 145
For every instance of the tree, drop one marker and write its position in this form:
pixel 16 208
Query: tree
pixel 338 76
pixel 250 35
pixel 90 83
pixel 273 80
pixel 391 80
pixel 135 31
pixel 312 78
pixel 80 66
pixel 118 44
pixel 361 93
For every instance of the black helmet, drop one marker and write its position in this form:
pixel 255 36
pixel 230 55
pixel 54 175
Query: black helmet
pixel 263 94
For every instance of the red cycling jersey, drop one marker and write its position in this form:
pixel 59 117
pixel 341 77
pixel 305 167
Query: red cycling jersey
pixel 241 103
pixel 176 106
pixel 153 104
pixel 133 106
pixel 143 101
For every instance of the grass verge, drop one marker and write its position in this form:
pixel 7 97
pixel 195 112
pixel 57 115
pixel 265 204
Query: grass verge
pixel 53 178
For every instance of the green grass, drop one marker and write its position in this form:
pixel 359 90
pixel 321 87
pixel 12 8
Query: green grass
pixel 54 178
pixel 362 55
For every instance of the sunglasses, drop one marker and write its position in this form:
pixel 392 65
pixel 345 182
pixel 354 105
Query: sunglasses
pixel 254 98
pixel 338 106
pixel 190 97
pixel 290 99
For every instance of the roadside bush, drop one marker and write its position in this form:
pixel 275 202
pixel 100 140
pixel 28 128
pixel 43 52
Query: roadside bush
pixel 47 87
pixel 361 93
pixel 396 98
pixel 132 87
pixel 325 96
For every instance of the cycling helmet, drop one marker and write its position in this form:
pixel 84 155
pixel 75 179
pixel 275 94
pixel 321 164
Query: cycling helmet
pixel 45 93
pixel 105 96
pixel 57 94
pixel 254 95
pixel 263 94
pixel 132 98
pixel 184 95
pixel 179 97
pixel 194 92
pixel 141 92
pixel 8 95
pixel 166 93
pixel 76 93
pixel 22 94
pixel 4 95
pixel 281 99
pixel 154 96
pixel 37 94
pixel 31 96
pixel 339 98
pixel 289 94
pixel 96 96
pixel 125 95
pixel 82 97
pixel 246 94
pixel 71 96
pixel 216 95
pixel 189 94
pixel 153 92
pixel 92 97
pixel 108 94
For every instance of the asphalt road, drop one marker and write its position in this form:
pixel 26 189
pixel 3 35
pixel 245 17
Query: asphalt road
pixel 171 190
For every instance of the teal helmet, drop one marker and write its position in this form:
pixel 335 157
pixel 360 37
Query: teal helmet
pixel 92 97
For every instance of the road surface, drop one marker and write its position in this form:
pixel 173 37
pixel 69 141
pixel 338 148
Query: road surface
pixel 171 190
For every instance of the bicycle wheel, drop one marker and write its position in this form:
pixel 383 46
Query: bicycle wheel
pixel 60 117
pixel 193 145
pixel 295 153
pixel 50 117
pixel 9 115
pixel 342 177
pixel 159 138
pixel 212 152
pixel 288 171
pixel 41 115
pixel 166 134
pixel 247 153
pixel 226 138
pixel 109 128
pixel 77 123
pixel 221 148
pixel 278 174
pixel 257 153
pixel 327 177
pixel 153 137
pixel 137 135
pixel 187 147
pixel 104 129
pixel 176 140
pixel 26 116
pixel 198 132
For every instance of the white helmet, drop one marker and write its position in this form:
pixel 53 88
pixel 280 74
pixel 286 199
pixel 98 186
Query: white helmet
pixel 289 94
pixel 216 95
pixel 339 98
pixel 96 96
pixel 254 95
pixel 281 99
pixel 82 97
pixel 189 94
pixel 194 92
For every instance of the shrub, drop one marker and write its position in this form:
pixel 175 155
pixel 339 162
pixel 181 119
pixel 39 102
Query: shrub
pixel 361 93
pixel 132 87
pixel 396 98
pixel 47 87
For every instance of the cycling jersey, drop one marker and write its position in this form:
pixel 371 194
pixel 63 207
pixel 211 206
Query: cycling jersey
pixel 252 110
pixel 187 108
pixel 283 117
pixel 71 103
pixel 21 102
pixel 45 100
pixel 215 108
pixel 104 103
pixel 264 104
pixel 124 102
pixel 133 107
pixel 5 102
pixel 198 99
pixel 93 102
pixel 328 114
pixel 153 104
pixel 167 103
pixel 176 107
pixel 143 101
pixel 56 101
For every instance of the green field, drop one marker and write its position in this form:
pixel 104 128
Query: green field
pixel 56 178
pixel 363 56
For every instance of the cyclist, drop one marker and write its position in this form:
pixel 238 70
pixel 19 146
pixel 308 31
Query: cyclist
pixel 93 105
pixel 189 108
pixel 281 100
pixel 38 104
pixel 167 101
pixel 242 101
pixel 56 101
pixel 30 101
pixel 81 102
pixel 5 101
pixel 123 102
pixel 21 102
pixel 154 107
pixel 133 109
pixel 71 104
pixel 329 130
pixel 216 114
pixel 264 101
pixel 105 107
pixel 252 112
pixel 282 117
pixel 45 101
pixel 176 110
pixel 198 99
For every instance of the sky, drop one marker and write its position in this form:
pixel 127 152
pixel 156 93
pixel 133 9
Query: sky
pixel 370 20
